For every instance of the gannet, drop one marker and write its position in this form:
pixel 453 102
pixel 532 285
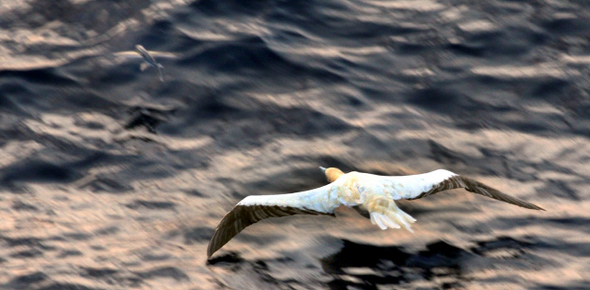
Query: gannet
pixel 148 57
pixel 366 192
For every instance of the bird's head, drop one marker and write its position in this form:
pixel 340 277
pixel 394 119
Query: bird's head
pixel 332 173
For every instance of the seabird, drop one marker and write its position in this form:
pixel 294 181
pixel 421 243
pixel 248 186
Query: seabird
pixel 148 57
pixel 369 193
pixel 149 60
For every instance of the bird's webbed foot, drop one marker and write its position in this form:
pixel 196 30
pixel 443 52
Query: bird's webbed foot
pixel 385 213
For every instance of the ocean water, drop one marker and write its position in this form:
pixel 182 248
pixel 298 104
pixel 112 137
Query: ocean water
pixel 112 179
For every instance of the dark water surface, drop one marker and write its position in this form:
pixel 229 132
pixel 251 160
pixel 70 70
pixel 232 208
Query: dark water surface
pixel 111 179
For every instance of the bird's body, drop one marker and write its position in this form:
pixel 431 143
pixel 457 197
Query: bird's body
pixel 149 60
pixel 373 193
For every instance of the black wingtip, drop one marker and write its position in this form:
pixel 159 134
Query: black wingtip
pixel 480 188
pixel 212 248
pixel 527 205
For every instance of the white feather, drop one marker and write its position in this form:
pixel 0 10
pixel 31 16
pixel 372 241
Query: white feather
pixel 379 220
pixel 317 199
pixel 389 223
pixel 409 186
pixel 402 221
pixel 373 217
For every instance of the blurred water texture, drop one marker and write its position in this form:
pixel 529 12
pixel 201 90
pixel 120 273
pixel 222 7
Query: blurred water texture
pixel 111 179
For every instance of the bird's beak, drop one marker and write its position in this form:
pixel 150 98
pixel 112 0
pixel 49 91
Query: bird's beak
pixel 323 169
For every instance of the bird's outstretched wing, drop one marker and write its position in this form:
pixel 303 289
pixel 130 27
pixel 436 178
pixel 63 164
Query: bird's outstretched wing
pixel 421 185
pixel 133 54
pixel 253 209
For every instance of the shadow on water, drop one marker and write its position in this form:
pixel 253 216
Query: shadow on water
pixel 365 266
pixel 392 265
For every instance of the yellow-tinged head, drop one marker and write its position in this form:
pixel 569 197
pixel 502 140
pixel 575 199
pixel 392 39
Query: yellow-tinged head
pixel 332 173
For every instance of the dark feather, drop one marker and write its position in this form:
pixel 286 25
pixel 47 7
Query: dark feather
pixel 362 211
pixel 479 188
pixel 242 216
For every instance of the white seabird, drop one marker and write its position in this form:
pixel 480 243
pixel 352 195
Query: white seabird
pixel 367 192
pixel 149 58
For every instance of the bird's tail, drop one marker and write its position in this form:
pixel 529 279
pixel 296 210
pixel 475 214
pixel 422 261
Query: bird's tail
pixel 385 213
